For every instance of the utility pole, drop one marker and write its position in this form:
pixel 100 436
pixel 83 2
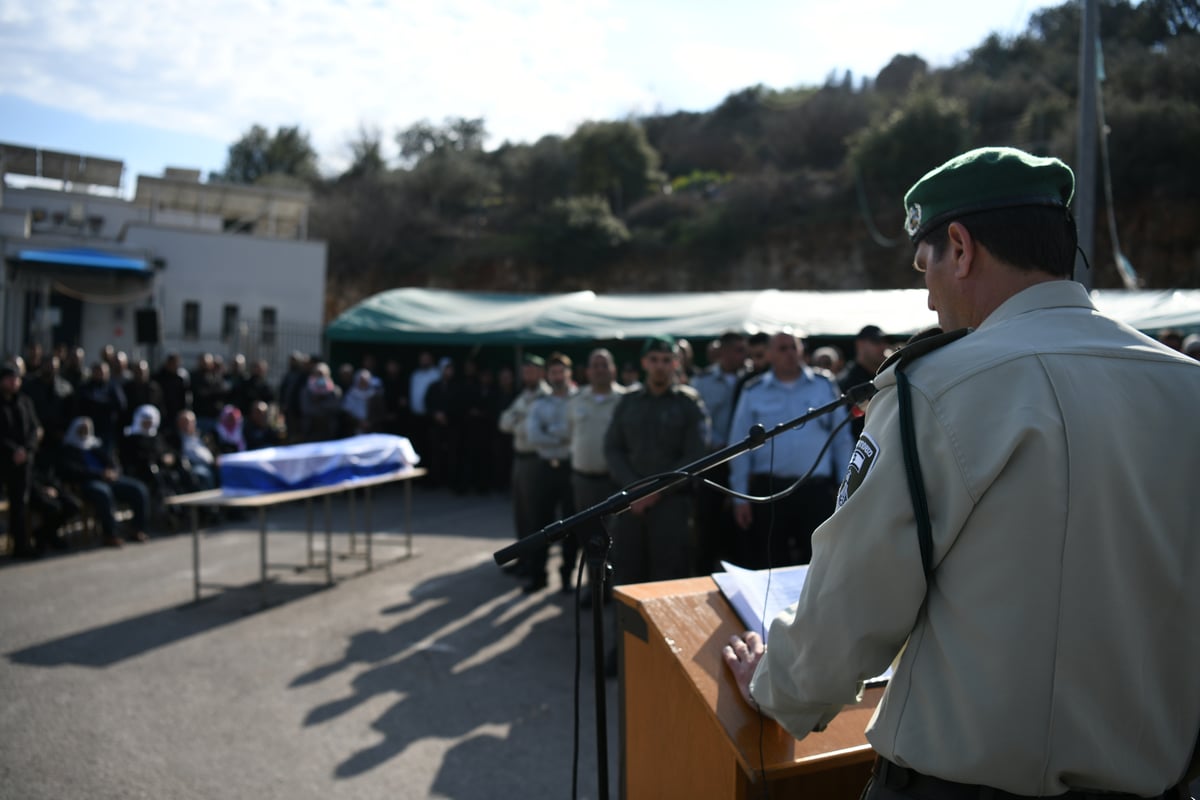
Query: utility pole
pixel 1085 150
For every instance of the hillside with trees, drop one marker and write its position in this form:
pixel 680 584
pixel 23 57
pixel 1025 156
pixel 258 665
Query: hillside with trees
pixel 796 188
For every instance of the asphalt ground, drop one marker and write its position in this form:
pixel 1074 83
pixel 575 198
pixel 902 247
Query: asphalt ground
pixel 430 676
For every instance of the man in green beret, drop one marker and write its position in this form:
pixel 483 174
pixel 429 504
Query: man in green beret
pixel 657 428
pixel 1016 531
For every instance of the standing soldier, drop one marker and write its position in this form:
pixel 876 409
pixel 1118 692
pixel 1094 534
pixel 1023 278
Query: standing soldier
pixel 656 429
pixel 589 414
pixel 548 431
pixel 524 470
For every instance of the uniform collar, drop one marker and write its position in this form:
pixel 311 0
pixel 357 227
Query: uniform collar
pixel 806 374
pixel 1051 294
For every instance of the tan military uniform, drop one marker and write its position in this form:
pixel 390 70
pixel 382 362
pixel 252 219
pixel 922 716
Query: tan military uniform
pixel 588 415
pixel 1056 648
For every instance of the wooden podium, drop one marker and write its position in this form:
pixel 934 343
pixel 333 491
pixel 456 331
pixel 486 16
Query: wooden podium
pixel 685 730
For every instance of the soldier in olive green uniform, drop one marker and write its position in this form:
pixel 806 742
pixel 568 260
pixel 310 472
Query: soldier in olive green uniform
pixel 656 429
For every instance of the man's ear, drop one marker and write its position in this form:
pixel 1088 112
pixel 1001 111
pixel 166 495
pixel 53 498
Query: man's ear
pixel 963 249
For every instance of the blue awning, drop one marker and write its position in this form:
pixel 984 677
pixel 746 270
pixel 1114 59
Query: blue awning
pixel 83 257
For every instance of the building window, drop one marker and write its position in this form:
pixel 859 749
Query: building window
pixel 268 325
pixel 191 320
pixel 229 321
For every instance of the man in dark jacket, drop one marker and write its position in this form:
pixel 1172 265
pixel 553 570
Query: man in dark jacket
pixel 103 400
pixel 18 443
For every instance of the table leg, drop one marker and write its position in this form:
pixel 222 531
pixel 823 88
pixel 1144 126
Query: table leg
pixel 195 553
pixel 262 554
pixel 353 544
pixel 408 516
pixel 367 522
pixel 309 514
pixel 329 539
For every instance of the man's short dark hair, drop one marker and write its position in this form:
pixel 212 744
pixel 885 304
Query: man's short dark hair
pixel 1033 238
pixel 762 337
pixel 731 337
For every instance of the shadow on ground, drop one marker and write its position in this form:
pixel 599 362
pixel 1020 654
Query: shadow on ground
pixel 112 643
pixel 471 666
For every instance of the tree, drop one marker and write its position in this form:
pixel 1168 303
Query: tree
pixel 614 160
pixel 578 235
pixel 918 136
pixel 449 169
pixel 900 73
pixel 366 152
pixel 534 176
pixel 258 155
pixel 455 135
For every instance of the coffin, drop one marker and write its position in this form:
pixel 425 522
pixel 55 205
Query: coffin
pixel 304 466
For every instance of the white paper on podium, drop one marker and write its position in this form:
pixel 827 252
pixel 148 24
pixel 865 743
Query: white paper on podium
pixel 759 596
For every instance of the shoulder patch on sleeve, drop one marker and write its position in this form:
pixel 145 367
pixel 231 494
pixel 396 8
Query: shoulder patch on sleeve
pixel 866 451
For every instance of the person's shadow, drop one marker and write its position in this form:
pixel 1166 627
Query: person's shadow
pixel 470 657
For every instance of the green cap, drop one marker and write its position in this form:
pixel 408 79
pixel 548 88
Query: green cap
pixel 536 361
pixel 983 180
pixel 659 344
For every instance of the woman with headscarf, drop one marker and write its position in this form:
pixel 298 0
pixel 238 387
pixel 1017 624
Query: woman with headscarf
pixel 363 403
pixel 144 455
pixel 84 462
pixel 230 438
pixel 320 405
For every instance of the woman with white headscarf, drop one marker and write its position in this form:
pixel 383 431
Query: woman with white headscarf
pixel 363 403
pixel 84 462
pixel 144 454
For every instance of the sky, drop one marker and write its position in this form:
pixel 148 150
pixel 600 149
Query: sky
pixel 158 83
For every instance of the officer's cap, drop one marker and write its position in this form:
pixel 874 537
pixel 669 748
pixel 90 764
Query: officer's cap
pixel 535 360
pixel 983 180
pixel 660 344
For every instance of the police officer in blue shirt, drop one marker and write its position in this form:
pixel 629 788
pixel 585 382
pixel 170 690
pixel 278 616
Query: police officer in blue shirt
pixel 779 533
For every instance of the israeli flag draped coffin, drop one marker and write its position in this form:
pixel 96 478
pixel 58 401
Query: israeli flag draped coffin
pixel 304 466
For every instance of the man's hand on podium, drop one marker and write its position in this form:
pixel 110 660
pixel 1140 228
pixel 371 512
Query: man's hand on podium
pixel 742 654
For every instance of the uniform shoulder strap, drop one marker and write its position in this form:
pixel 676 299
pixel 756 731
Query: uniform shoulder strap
pixel 919 345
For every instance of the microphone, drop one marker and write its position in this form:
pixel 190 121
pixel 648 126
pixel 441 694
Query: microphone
pixel 860 393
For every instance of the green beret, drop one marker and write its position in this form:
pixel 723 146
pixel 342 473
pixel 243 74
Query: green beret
pixel 659 344
pixel 536 361
pixel 983 180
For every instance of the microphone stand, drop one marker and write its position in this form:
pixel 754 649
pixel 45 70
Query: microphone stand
pixel 597 545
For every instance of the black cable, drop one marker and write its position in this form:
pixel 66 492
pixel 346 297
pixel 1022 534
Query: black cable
pixel 578 662
pixel 578 594
pixel 762 718
pixel 789 490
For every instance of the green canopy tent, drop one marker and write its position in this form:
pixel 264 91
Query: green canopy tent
pixel 441 317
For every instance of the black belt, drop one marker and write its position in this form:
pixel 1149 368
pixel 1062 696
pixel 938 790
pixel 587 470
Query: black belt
pixel 525 455
pixel 557 463
pixel 902 779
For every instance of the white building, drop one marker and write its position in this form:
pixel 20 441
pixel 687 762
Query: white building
pixel 185 266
